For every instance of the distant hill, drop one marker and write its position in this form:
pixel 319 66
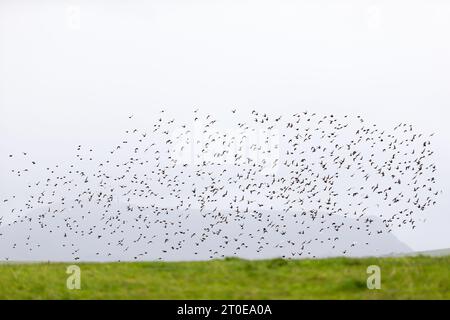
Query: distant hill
pixel 99 236
pixel 431 253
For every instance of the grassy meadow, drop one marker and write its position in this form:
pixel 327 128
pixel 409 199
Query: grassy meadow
pixel 335 278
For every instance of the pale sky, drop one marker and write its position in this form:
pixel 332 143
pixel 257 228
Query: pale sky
pixel 70 71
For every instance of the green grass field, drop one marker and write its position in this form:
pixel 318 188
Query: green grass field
pixel 337 278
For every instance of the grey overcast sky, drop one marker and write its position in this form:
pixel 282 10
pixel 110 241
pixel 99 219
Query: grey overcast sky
pixel 70 71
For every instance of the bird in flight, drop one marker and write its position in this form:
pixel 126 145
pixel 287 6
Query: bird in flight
pixel 291 184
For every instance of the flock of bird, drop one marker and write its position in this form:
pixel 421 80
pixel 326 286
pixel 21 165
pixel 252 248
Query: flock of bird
pixel 264 183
